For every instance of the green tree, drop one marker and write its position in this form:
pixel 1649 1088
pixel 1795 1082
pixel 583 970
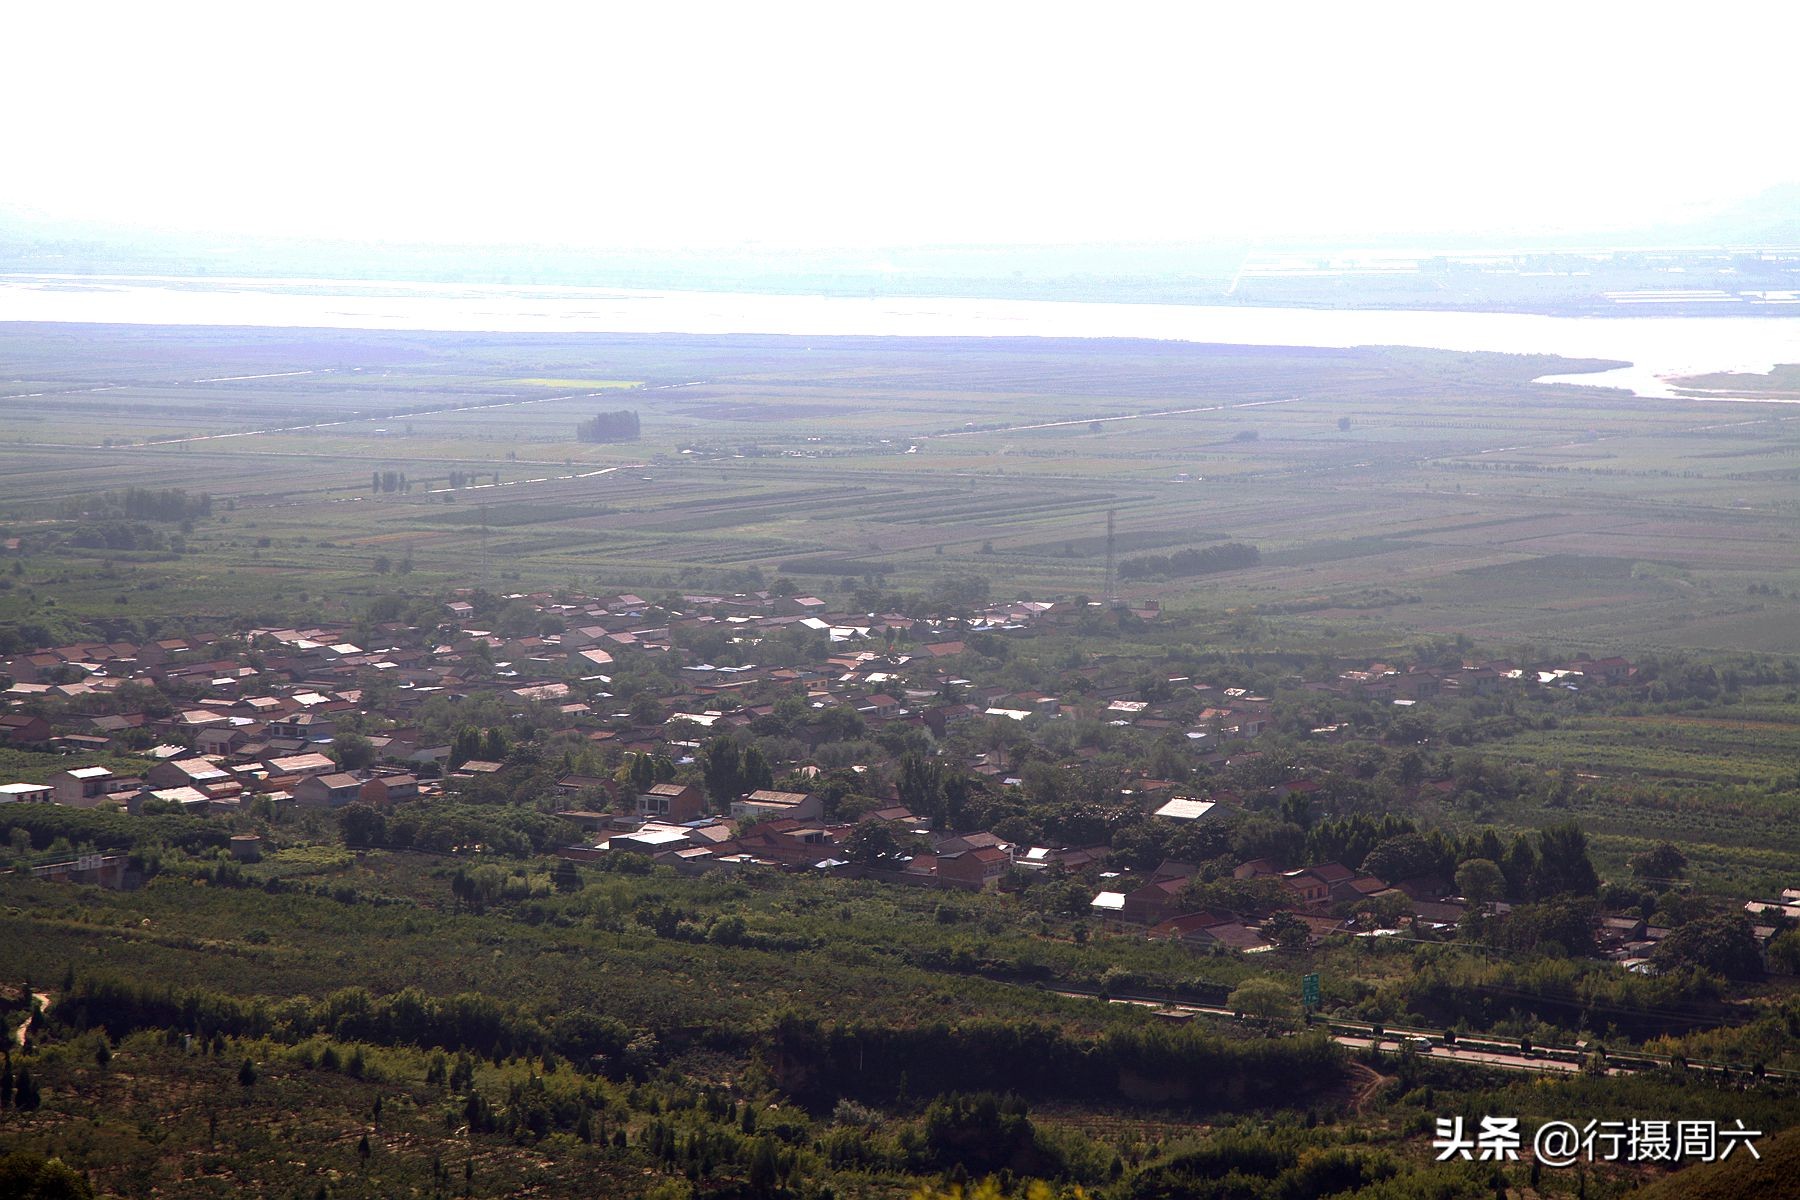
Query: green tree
pixel 839 723
pixel 980 1133
pixel 362 825
pixel 25 1175
pixel 566 876
pixel 756 772
pixel 1287 931
pixel 1401 857
pixel 1520 868
pixel 765 1168
pixel 1563 865
pixel 722 768
pixel 465 745
pixel 1722 943
pixel 1562 925
pixel 1233 895
pixel 921 787
pixel 1267 999
pixel 871 842
pixel 1662 863
pixel 1480 881
pixel 353 752
pixel 1784 952
pixel 639 771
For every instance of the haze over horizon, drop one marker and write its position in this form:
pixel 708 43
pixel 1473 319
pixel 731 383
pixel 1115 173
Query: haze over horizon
pixel 702 126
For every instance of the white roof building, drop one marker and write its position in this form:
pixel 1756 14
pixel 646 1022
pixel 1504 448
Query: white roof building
pixel 1185 808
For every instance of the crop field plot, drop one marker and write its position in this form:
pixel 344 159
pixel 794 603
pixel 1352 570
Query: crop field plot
pixel 569 385
pixel 1713 749
pixel 1475 499
pixel 1712 834
pixel 1695 773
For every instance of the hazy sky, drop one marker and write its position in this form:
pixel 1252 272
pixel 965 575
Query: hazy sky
pixel 665 124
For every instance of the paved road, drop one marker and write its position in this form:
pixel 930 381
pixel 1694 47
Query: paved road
pixel 1485 1057
pixel 1489 1058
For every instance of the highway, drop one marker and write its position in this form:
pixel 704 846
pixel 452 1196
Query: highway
pixel 1475 1049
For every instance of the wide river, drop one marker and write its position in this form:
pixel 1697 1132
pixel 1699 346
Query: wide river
pixel 1657 348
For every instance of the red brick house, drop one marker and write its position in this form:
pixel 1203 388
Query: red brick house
pixel 974 868
pixel 673 802
pixel 387 789
pixel 22 730
pixel 1152 902
pixel 327 791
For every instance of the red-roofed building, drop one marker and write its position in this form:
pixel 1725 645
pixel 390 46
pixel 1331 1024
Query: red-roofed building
pixel 1153 902
pixel 977 868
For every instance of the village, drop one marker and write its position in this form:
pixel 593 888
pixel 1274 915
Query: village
pixel 265 721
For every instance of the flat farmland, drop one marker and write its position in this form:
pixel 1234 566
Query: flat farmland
pixel 1697 778
pixel 1413 490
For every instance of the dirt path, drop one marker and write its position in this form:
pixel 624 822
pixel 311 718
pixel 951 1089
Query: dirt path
pixel 1365 1083
pixel 43 1006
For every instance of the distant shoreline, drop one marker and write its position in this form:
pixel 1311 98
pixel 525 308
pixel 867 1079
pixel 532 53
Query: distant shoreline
pixel 1657 348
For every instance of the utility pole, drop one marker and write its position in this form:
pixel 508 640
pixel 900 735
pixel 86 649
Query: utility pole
pixel 1107 595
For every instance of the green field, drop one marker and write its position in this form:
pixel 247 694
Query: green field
pixel 1396 489
pixel 358 990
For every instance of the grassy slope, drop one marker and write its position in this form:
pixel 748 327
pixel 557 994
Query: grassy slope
pixel 1740 1177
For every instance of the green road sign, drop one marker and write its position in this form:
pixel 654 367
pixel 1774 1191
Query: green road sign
pixel 1309 990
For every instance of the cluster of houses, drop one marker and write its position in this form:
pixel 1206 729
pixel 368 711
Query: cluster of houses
pixel 1413 684
pixel 275 693
pixel 670 823
pixel 189 782
pixel 1769 916
pixel 252 715
pixel 1309 894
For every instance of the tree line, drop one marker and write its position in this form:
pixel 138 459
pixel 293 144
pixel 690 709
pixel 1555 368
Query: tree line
pixel 125 535
pixel 1191 561
pixel 444 826
pixel 46 824
pixel 472 1022
pixel 462 479
pixel 620 426
pixel 139 504
pixel 819 1063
